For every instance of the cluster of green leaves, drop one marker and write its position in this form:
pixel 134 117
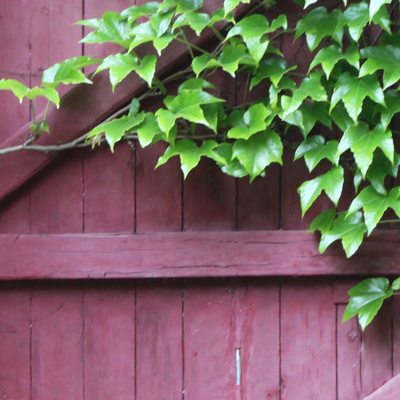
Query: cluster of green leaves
pixel 344 106
pixel 367 298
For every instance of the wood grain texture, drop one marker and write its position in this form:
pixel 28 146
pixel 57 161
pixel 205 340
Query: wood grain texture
pixel 389 391
pixel 396 334
pixel 209 195
pixel 109 190
pixel 348 342
pixel 108 176
pixel 189 254
pixel 209 343
pixel 57 343
pixel 376 350
pixel 15 344
pixel 14 63
pixel 56 197
pixel 308 318
pixel 257 314
pixel 109 344
pixel 159 357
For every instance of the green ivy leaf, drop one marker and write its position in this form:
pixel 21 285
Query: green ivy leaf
pixel 135 12
pixel 112 28
pixel 189 153
pixel 311 88
pixel 366 299
pixel 187 105
pixel 232 56
pixel 247 124
pixel 222 154
pixel 319 24
pixel 69 71
pixel 271 68
pixel 203 63
pixel 259 151
pixel 121 65
pixel 329 56
pixel 386 58
pixel 148 129
pixel 230 5
pixel 331 183
pixel 48 92
pixel 166 120
pixel 352 92
pixel 364 142
pixel 357 18
pixel 396 284
pixel 375 205
pixel 116 129
pixel 197 21
pixel 375 6
pixel 253 30
pixel 392 102
pixel 378 172
pixel 17 88
pixel 314 150
pixel 349 230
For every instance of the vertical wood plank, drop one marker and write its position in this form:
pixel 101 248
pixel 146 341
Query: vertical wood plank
pixel 109 344
pixel 57 358
pixel 15 62
pixel 376 352
pixel 15 344
pixel 396 335
pixel 107 176
pixel 159 343
pixel 56 196
pixel 209 343
pixel 258 320
pixel 257 202
pixel 308 359
pixel 209 198
pixel 348 357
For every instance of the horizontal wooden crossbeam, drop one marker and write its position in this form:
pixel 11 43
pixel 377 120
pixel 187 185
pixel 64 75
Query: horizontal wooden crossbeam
pixel 189 254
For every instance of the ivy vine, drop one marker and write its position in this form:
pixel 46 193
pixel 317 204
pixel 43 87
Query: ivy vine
pixel 345 105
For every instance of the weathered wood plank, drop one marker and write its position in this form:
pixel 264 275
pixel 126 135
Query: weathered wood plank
pixel 257 314
pixel 209 343
pixel 376 353
pixel 108 176
pixel 348 342
pixel 15 344
pixel 159 355
pixel 69 122
pixel 14 63
pixel 57 343
pixel 308 318
pixel 109 344
pixel 189 254
pixel 56 197
pixel 389 391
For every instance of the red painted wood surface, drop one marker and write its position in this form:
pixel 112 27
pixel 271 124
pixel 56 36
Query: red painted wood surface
pixel 56 344
pixel 307 345
pixel 189 254
pixel 94 342
pixel 171 339
pixel 389 391
pixel 109 344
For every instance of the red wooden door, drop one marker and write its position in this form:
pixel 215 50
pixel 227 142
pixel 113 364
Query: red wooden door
pixel 216 340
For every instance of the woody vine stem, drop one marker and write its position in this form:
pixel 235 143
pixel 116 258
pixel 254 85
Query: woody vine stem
pixel 343 106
